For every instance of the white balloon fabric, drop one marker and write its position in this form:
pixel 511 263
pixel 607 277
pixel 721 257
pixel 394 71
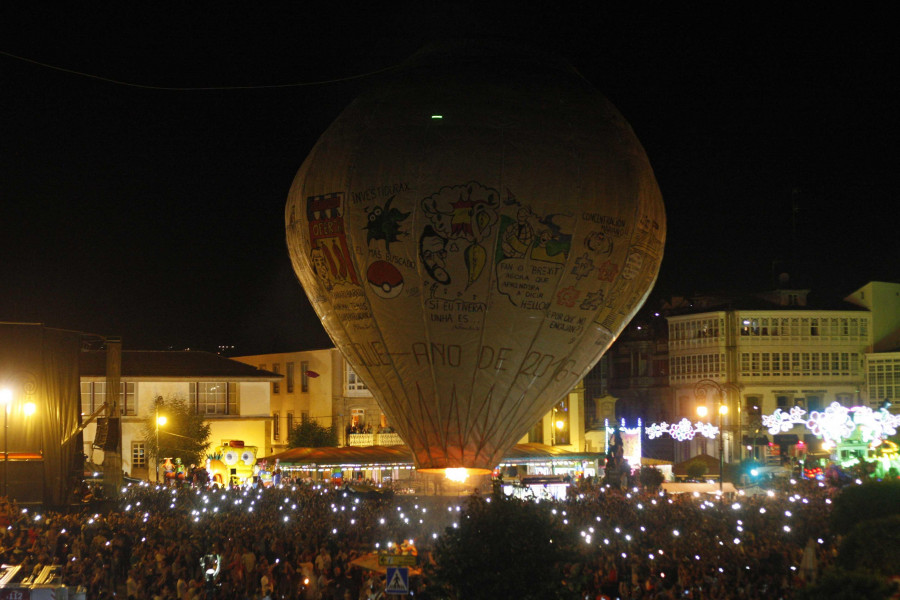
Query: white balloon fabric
pixel 474 234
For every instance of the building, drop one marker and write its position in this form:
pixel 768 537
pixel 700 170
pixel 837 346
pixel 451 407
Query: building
pixel 321 385
pixel 233 397
pixel 776 351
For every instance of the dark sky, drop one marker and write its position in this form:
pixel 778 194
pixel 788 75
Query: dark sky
pixel 157 215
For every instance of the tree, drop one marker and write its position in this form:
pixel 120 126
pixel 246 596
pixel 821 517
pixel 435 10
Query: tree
pixel 651 477
pixel 696 469
pixel 185 434
pixel 873 545
pixel 836 584
pixel 309 434
pixel 475 559
pixel 856 503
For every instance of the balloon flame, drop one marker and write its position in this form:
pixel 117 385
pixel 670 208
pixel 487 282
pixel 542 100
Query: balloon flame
pixel 458 475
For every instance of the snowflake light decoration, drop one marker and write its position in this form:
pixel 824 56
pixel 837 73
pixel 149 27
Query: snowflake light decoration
pixel 836 422
pixel 682 431
pixel 780 421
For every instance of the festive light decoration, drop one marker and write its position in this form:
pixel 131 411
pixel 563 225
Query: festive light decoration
pixel 683 430
pixel 837 422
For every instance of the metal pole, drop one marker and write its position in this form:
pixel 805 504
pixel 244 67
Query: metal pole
pixel 5 448
pixel 721 449
pixel 156 455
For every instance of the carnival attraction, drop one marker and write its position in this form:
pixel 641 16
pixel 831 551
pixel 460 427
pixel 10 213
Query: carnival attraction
pixel 231 464
pixel 474 233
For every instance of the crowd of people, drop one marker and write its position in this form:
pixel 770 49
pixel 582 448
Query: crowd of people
pixel 303 542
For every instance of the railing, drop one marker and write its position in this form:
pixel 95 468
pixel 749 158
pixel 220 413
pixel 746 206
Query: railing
pixel 374 439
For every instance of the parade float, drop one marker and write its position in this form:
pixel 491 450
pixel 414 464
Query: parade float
pixel 231 463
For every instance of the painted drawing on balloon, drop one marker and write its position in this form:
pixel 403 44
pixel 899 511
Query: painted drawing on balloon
pixel 385 279
pixel 451 245
pixel 383 223
pixel 329 252
pixel 638 272
pixel 531 251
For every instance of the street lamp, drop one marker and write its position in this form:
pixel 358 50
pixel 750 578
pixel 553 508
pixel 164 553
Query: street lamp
pixel 700 390
pixel 5 399
pixel 160 421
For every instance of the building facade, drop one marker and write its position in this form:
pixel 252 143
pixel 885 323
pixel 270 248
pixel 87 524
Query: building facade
pixel 759 358
pixel 233 397
pixel 321 385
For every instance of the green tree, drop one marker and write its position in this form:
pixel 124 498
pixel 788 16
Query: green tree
pixel 696 469
pixel 185 434
pixel 873 545
pixel 856 503
pixel 651 477
pixel 476 560
pixel 309 434
pixel 837 584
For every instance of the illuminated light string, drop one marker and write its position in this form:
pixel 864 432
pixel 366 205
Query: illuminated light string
pixel 836 422
pixel 682 431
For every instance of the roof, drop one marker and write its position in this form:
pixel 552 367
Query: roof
pixel 711 462
pixel 402 455
pixel 138 364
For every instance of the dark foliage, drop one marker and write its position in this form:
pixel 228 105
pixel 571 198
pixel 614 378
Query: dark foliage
pixel 505 548
pixel 185 434
pixel 848 585
pixel 872 544
pixel 651 477
pixel 856 503
pixel 309 434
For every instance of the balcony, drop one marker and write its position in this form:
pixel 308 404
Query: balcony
pixel 374 439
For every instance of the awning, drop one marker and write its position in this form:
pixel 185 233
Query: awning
pixel 786 439
pixel 390 456
pixel 759 440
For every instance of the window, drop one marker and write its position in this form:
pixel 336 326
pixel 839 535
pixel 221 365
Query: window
pixel 276 426
pixel 290 422
pixel 358 420
pixel 276 385
pixel 814 403
pixel 138 455
pixel 782 402
pixel 289 371
pixel 304 376
pixel 754 405
pixel 304 416
pixel 353 380
pixel 93 395
pixel 214 398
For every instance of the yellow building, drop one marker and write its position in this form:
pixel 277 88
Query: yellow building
pixel 321 385
pixel 232 397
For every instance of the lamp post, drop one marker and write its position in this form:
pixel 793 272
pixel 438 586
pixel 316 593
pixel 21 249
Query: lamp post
pixel 6 399
pixel 700 390
pixel 160 420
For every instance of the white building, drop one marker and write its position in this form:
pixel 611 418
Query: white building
pixel 233 397
pixel 773 354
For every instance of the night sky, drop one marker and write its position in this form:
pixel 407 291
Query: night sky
pixel 157 215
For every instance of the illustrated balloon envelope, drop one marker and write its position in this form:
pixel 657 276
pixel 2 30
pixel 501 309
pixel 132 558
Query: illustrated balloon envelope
pixel 474 233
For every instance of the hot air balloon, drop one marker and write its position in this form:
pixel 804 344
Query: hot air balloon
pixel 474 233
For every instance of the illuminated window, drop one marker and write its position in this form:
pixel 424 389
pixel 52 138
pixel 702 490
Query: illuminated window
pixel 214 398
pixel 93 395
pixel 354 383
pixel 289 373
pixel 138 454
pixel 304 376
